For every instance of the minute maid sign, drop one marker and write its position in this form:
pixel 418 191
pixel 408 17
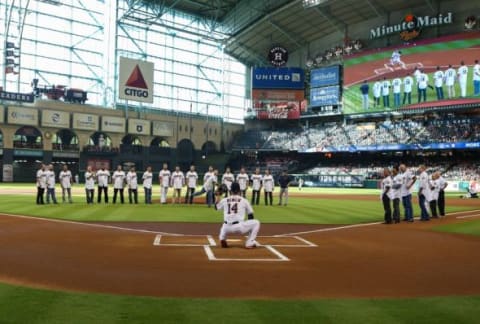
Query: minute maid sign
pixel 411 25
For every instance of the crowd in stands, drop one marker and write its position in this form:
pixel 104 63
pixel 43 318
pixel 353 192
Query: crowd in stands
pixel 406 131
pixel 336 53
pixel 453 172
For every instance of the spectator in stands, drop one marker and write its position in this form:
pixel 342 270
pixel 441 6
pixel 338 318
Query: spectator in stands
pixel 438 78
pixel 407 89
pixel 284 181
pixel 364 90
pixel 450 81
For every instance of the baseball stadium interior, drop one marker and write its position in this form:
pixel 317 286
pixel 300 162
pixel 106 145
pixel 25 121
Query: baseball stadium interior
pixel 332 92
pixel 220 115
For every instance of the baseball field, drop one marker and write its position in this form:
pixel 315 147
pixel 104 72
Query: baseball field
pixel 374 65
pixel 324 258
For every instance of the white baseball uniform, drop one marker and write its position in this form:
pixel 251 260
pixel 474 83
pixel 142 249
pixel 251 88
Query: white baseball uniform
pixel 439 76
pixel 462 79
pixel 407 84
pixel 256 181
pixel 118 179
pixel 377 89
pixel 234 210
pixel 147 179
pixel 102 178
pixel 132 180
pixel 268 183
pixel 164 176
pixel 192 177
pixel 385 87
pixel 242 179
pixel 227 179
pixel 65 178
pixel 397 84
pixel 89 180
pixel 41 179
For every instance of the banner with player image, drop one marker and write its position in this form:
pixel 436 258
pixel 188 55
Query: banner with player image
pixel 279 110
pixel 428 72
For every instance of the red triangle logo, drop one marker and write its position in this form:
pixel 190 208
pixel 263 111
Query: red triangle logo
pixel 136 79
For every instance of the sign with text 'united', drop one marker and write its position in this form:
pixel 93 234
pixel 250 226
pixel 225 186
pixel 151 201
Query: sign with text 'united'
pixel 136 80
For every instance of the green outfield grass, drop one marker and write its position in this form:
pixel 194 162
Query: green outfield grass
pixel 352 96
pixel 470 228
pixel 24 305
pixel 299 210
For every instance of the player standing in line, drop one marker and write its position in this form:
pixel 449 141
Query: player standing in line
pixel 284 181
pixel 377 92
pixel 422 86
pixel 50 176
pixel 234 209
pixel 242 179
pixel 41 184
pixel 227 180
pixel 164 179
pixel 177 182
pixel 205 178
pixel 118 179
pixel 407 89
pixel 65 178
pixel 386 186
pixel 434 191
pixel 132 183
pixel 442 184
pixel 396 84
pixel 423 193
pixel 395 194
pixel 209 187
pixel 408 180
pixel 476 79
pixel 256 179
pixel 89 184
pixel 462 79
pixel 450 81
pixel 268 185
pixel 364 90
pixel 439 76
pixel 147 178
pixel 102 183
pixel 192 178
pixel 386 93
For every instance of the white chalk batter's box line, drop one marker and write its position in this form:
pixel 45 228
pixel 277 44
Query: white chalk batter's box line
pixel 279 257
pixel 211 241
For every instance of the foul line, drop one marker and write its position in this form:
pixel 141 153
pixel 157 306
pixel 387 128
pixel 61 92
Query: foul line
pixel 61 221
pixel 467 216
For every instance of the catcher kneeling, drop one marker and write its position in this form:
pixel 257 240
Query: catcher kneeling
pixel 234 209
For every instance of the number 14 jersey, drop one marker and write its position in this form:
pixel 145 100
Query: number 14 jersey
pixel 234 208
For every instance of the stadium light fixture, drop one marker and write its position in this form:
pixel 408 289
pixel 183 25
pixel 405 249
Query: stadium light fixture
pixel 312 3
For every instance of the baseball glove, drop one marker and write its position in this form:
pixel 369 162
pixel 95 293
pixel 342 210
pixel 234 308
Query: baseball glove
pixel 221 190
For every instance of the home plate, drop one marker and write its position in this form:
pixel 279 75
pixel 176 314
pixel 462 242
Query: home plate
pixel 260 254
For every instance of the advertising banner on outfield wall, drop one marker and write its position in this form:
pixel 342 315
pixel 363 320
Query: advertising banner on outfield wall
pixel 278 78
pixel 85 122
pixel 136 80
pixel 162 128
pixel 22 116
pixel 113 124
pixel 139 126
pixel 2 115
pixel 58 119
